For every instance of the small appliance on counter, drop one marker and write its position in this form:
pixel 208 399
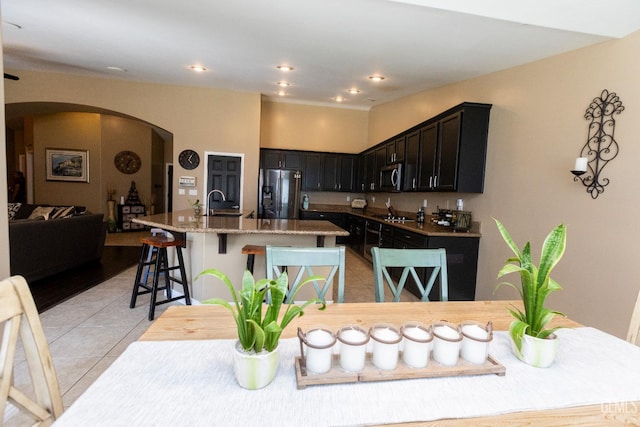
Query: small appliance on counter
pixel 456 219
pixel 358 204
pixel 305 202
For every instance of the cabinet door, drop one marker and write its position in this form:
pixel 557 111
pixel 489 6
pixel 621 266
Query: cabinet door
pixel 400 149
pixel 292 160
pixel 380 162
pixel 347 173
pixel 411 161
pixel 330 178
pixel 280 159
pixel 312 174
pixel 428 146
pixel 447 170
pixel 270 159
pixel 370 171
pixel 462 265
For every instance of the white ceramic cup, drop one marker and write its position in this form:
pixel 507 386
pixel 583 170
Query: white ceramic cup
pixel 446 343
pixel 417 339
pixel 319 343
pixel 386 346
pixel 353 348
pixel 475 341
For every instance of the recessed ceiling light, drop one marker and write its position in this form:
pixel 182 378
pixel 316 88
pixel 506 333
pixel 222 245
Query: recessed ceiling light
pixel 371 99
pixel 376 78
pixel 339 99
pixel 198 68
pixel 353 91
pixel 284 68
pixel 283 84
pixel 122 70
pixel 281 93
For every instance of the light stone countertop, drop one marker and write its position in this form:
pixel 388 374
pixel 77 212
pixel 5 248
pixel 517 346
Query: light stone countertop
pixel 185 222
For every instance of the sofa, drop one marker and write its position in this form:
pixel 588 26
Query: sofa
pixel 45 240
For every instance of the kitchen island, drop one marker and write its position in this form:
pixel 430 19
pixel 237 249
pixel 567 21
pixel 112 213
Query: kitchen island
pixel 217 241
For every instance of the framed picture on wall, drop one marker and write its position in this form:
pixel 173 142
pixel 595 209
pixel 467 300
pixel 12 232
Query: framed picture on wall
pixel 67 165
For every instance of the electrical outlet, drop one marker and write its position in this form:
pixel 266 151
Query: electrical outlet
pixel 181 191
pixel 373 199
pixel 348 198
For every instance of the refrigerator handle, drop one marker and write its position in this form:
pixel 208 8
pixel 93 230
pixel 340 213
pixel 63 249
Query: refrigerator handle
pixel 279 201
pixel 296 199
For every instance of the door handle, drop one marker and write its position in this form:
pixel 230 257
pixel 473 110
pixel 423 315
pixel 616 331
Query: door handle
pixel 394 178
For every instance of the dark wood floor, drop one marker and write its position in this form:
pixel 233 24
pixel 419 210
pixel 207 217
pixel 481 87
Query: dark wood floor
pixel 58 288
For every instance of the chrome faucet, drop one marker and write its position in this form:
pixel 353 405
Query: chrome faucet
pixel 209 199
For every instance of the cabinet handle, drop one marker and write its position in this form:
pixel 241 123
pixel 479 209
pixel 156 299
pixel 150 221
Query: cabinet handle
pixel 413 183
pixel 431 181
pixel 435 181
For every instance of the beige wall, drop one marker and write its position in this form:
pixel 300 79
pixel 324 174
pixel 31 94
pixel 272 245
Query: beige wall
pixel 308 127
pixel 536 130
pixel 199 118
pixel 120 134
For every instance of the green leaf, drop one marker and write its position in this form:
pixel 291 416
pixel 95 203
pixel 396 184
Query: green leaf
pixel 536 282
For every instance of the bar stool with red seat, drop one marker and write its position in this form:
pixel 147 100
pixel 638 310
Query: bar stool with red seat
pixel 159 245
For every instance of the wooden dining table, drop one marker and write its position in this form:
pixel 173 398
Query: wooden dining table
pixel 206 322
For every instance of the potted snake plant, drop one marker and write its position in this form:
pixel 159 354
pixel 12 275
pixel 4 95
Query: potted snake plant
pixel 256 351
pixel 533 342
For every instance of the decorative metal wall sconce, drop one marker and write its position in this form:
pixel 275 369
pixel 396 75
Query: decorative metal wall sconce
pixel 601 146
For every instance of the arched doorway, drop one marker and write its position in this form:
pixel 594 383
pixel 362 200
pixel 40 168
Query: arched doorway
pixel 23 139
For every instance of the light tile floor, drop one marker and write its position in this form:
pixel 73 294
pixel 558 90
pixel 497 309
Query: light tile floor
pixel 88 332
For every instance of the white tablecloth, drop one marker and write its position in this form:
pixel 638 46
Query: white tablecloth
pixel 191 383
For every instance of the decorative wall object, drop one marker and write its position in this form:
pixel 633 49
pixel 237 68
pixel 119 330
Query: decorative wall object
pixel 67 165
pixel 601 146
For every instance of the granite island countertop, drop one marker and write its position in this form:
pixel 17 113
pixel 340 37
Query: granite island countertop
pixel 185 222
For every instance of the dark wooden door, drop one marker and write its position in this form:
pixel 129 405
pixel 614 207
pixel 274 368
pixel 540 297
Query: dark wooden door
pixel 224 174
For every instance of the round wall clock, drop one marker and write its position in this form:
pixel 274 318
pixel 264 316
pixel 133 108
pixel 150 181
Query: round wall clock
pixel 189 159
pixel 127 162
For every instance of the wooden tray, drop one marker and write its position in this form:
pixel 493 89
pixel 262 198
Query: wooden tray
pixel 337 375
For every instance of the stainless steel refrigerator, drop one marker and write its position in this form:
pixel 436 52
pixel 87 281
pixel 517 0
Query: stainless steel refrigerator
pixel 279 193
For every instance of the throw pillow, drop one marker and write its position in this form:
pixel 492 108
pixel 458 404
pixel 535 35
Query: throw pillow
pixel 41 211
pixel 62 212
pixel 13 209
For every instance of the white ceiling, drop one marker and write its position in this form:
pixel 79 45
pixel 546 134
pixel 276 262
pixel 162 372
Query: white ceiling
pixel 332 44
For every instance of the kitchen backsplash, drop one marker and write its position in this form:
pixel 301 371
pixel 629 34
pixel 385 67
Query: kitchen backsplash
pixel 406 202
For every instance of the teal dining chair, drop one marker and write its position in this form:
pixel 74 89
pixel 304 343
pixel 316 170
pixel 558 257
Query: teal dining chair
pixel 279 258
pixel 409 260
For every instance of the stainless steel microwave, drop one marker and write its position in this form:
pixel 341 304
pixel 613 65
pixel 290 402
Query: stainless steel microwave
pixel 391 177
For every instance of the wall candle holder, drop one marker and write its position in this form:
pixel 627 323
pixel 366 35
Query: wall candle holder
pixel 601 146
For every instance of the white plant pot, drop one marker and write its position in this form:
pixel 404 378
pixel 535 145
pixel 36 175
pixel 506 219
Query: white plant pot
pixel 537 352
pixel 254 370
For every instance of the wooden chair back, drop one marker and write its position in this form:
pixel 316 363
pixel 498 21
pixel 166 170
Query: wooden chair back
pixel 20 321
pixel 633 336
pixel 409 259
pixel 278 257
